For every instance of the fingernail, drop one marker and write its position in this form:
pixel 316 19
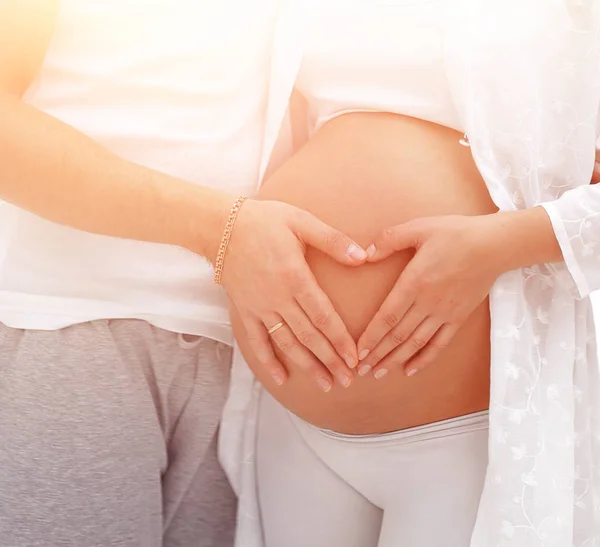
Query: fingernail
pixel 355 252
pixel 380 373
pixel 345 380
pixel 363 354
pixel 363 370
pixel 278 380
pixel 412 372
pixel 350 361
pixel 324 384
pixel 371 250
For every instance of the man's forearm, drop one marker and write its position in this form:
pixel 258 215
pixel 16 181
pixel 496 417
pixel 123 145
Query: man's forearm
pixel 58 173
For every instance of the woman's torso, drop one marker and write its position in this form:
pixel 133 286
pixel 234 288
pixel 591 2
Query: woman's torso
pixel 179 86
pixel 362 172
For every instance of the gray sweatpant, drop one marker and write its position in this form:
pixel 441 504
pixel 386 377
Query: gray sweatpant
pixel 108 438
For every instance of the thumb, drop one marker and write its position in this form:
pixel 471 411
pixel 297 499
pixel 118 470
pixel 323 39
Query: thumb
pixel 391 240
pixel 330 241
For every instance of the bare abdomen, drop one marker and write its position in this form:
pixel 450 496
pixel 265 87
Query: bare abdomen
pixel 361 173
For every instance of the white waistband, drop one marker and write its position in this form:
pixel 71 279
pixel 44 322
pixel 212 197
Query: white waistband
pixel 453 426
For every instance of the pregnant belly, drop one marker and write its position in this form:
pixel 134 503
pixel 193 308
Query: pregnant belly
pixel 361 173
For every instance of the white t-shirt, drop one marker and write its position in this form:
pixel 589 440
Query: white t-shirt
pixel 176 85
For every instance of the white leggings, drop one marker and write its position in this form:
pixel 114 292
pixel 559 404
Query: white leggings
pixel 418 487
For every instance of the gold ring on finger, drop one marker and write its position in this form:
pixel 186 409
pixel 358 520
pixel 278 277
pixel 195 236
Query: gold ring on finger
pixel 276 327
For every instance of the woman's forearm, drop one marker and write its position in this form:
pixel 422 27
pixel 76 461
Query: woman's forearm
pixel 57 173
pixel 524 238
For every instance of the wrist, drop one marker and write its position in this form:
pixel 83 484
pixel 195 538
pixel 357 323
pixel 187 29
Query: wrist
pixel 201 217
pixel 524 238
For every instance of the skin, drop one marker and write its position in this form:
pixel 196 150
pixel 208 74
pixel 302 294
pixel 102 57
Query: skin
pixel 457 260
pixel 58 173
pixel 447 248
pixel 596 173
pixel 360 173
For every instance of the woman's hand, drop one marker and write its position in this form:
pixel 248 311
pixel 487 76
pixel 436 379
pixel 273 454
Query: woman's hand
pixel 457 260
pixel 269 282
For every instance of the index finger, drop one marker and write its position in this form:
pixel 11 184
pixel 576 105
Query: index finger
pixel 323 316
pixel 393 309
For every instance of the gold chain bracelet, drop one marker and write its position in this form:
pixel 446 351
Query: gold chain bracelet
pixel 226 237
